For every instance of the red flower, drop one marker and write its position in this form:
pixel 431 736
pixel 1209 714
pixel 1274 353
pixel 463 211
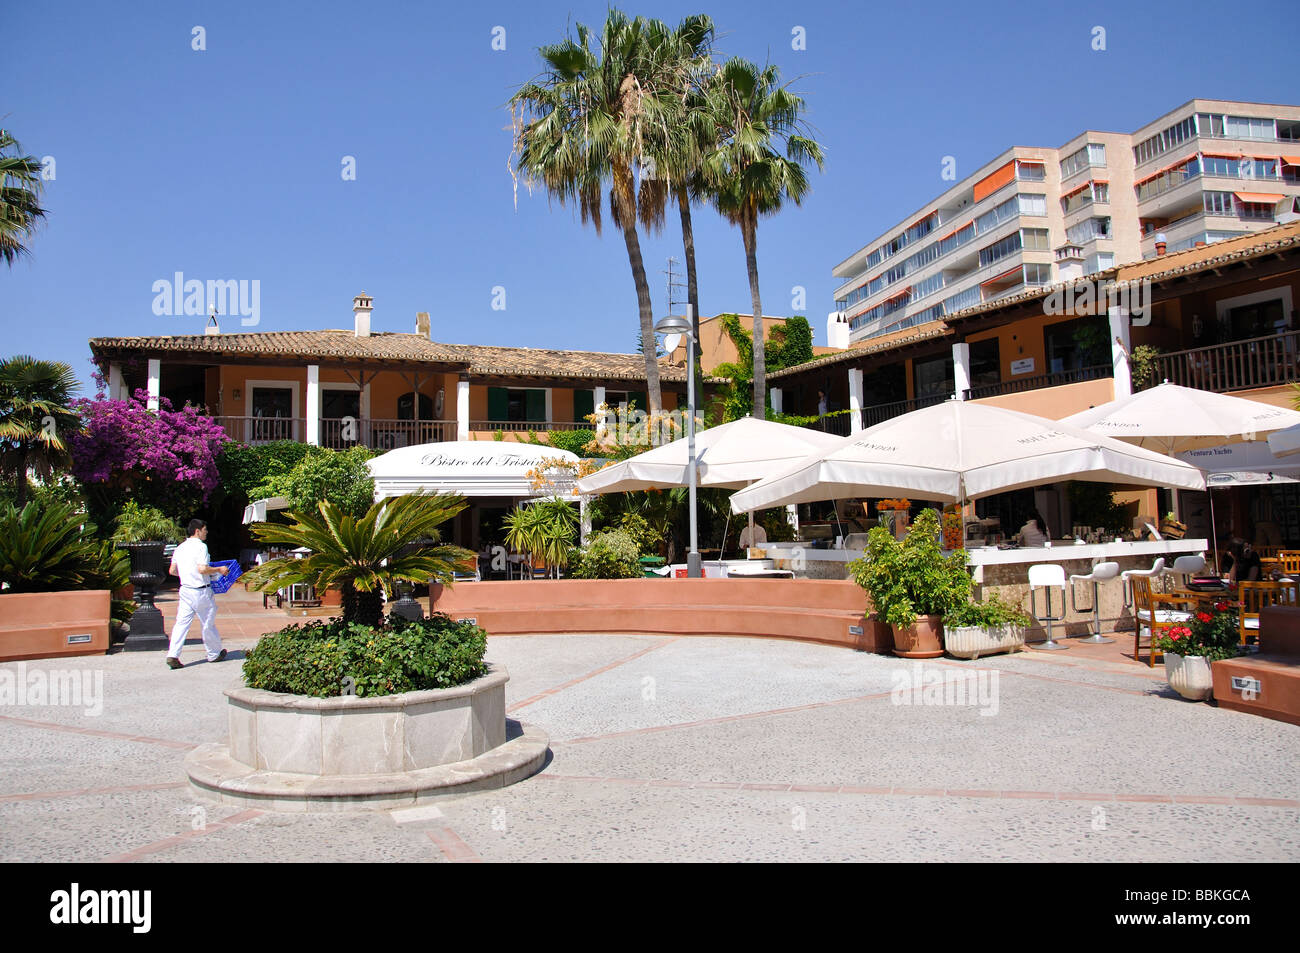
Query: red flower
pixel 1220 607
pixel 1204 616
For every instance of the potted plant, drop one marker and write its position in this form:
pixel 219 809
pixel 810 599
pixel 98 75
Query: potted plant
pixel 912 584
pixel 984 628
pixel 1210 636
pixel 144 533
pixel 545 530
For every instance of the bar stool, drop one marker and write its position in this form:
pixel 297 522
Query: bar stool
pixel 1102 572
pixel 1157 569
pixel 1188 566
pixel 1047 576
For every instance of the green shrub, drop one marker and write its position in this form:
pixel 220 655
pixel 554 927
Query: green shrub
pixel 609 554
pixel 244 469
pixel 140 524
pixel 340 476
pixel 575 441
pixel 914 577
pixel 989 614
pixel 316 658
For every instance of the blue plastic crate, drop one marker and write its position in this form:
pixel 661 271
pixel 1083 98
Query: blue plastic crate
pixel 223 583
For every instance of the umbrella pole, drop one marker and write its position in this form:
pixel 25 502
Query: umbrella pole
pixel 722 550
pixel 1214 529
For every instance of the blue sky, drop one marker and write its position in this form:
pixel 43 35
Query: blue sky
pixel 225 163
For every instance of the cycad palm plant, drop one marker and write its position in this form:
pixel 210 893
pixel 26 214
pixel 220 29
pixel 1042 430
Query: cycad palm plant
pixel 20 198
pixel 35 418
pixel 546 530
pixel 363 557
pixel 748 175
pixel 590 120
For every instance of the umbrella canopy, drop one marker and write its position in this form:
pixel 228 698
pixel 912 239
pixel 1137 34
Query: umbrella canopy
pixel 256 511
pixel 1173 419
pixel 1283 443
pixel 1242 464
pixel 729 455
pixel 959 450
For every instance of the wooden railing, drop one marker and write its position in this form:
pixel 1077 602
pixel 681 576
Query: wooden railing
pixel 1241 365
pixel 1016 385
pixel 340 433
pixel 882 412
pixel 523 426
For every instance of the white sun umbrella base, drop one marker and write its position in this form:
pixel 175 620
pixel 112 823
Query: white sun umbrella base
pixel 962 451
pixel 730 455
pixel 1172 419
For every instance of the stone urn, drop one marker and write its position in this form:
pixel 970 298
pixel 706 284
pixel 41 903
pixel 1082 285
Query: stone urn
pixel 922 639
pixel 1189 676
pixel 148 569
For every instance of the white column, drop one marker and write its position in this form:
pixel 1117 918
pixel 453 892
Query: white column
pixel 584 521
pixel 313 404
pixel 961 369
pixel 776 399
pixel 462 409
pixel 550 416
pixel 855 400
pixel 155 383
pixel 1121 345
pixel 116 389
pixel 598 398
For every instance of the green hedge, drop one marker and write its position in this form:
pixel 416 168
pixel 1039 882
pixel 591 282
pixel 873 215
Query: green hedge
pixel 244 468
pixel 315 658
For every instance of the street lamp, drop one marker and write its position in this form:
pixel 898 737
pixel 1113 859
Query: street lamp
pixel 685 327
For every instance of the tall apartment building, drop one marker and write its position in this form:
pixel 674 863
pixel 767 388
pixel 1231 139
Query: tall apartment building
pixel 1207 171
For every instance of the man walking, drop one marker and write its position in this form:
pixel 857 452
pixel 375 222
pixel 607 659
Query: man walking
pixel 190 564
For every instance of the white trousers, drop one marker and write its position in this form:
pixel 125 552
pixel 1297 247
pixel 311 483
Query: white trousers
pixel 200 603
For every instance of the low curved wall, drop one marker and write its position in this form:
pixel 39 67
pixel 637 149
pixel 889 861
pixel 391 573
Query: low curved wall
pixel 353 735
pixel 832 612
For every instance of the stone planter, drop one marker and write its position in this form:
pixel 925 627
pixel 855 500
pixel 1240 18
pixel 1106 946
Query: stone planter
pixel 922 639
pixel 972 641
pixel 1189 676
pixel 148 571
pixel 295 752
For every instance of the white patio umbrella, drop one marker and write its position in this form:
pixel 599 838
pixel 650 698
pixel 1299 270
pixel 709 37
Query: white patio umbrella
pixel 1284 443
pixel 729 455
pixel 1173 419
pixel 256 511
pixel 959 451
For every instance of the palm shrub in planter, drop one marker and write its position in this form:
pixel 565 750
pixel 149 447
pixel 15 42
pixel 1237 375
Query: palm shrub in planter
pixel 984 628
pixel 364 557
pixel 609 554
pixel 545 530
pixel 912 584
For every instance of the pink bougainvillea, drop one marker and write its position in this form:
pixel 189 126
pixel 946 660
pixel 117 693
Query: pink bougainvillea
pixel 125 445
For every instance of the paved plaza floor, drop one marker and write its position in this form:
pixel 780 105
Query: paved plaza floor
pixel 697 749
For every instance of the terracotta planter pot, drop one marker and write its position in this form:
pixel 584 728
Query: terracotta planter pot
pixel 922 639
pixel 1189 676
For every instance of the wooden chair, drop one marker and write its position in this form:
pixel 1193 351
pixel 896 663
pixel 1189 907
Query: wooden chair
pixel 1289 560
pixel 1156 612
pixel 1254 596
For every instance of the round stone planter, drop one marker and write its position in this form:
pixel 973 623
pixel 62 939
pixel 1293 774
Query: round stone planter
pixel 295 752
pixel 972 641
pixel 1189 676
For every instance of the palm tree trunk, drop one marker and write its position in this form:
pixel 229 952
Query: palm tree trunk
pixel 366 608
pixel 749 231
pixel 692 290
pixel 633 242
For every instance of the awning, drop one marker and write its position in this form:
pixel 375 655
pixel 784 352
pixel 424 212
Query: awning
pixel 1263 198
pixel 1290 160
pixel 1006 274
pixel 465 467
pixel 256 511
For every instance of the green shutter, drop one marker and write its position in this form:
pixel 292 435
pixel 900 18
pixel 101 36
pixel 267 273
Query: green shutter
pixel 535 405
pixel 584 404
pixel 498 403
pixel 639 397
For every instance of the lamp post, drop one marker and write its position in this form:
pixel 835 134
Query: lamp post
pixel 685 327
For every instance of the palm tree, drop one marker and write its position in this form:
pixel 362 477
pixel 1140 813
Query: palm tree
pixel 35 418
pixel 546 530
pixel 748 175
pixel 588 121
pixel 364 557
pixel 20 191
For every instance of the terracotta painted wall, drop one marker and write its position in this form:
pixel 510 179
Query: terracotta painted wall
pixel 1056 402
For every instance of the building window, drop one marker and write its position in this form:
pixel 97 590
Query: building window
pixel 1038 274
pixel 1093 154
pixel 1217 203
pixel 1258 211
pixel 506 404
pixel 1088 230
pixel 985 363
pixel 1071 345
pixel 1030 171
pixel 1249 127
pixel 933 377
pixel 1097 153
pixel 1163 141
pixel 1031 204
pixel 1034 239
pixel 1101 192
pixel 1000 249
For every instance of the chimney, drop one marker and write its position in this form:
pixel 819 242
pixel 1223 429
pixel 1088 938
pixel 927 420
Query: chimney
pixel 1161 244
pixel 1200 244
pixel 422 323
pixel 362 305
pixel 213 327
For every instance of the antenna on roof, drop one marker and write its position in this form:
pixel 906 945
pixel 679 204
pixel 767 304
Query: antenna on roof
pixel 671 285
pixel 213 327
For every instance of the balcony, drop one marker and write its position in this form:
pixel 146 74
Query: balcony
pixel 882 412
pixel 524 426
pixel 1241 365
pixel 1017 385
pixel 339 433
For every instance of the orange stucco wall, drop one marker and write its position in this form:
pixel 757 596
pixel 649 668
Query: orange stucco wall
pixel 1056 402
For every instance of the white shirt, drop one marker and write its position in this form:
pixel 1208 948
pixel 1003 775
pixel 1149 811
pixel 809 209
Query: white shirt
pixel 189 557
pixel 760 536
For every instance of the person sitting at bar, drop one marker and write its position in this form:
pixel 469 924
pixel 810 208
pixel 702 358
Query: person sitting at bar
pixel 759 537
pixel 1243 562
pixel 1032 533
